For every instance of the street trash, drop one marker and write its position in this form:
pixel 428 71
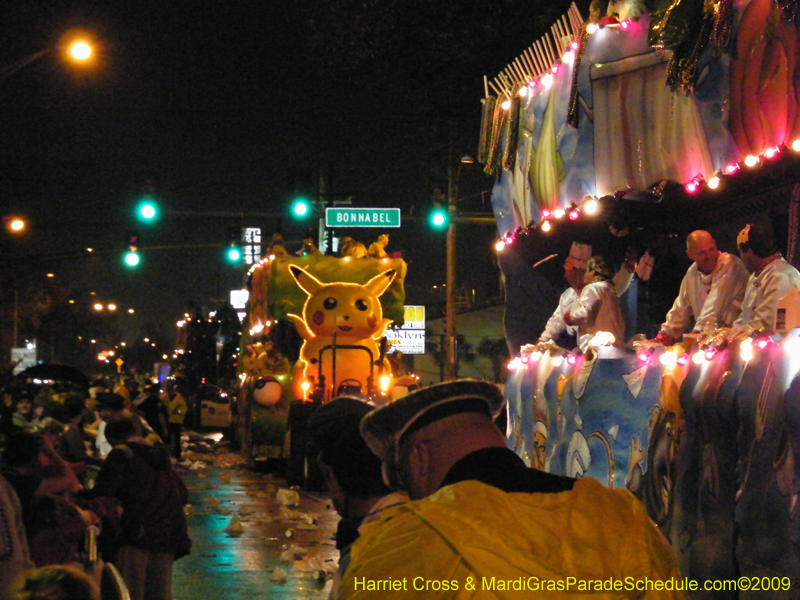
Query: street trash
pixel 287 514
pixel 321 575
pixel 288 497
pixel 317 567
pixel 229 460
pixel 293 553
pixel 234 528
pixel 278 576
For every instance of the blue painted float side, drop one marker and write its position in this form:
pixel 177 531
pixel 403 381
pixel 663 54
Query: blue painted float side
pixel 712 448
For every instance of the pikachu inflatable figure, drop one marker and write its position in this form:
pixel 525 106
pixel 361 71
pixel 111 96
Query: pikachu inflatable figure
pixel 341 326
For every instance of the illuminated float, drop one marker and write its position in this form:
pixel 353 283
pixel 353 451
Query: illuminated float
pixel 314 328
pixel 627 131
pixel 342 327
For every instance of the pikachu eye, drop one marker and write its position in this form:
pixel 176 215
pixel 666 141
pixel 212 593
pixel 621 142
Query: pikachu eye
pixel 361 305
pixel 329 303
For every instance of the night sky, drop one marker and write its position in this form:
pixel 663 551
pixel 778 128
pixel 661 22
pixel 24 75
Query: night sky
pixel 234 107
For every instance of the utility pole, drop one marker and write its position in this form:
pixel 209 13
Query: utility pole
pixel 16 317
pixel 322 237
pixel 451 370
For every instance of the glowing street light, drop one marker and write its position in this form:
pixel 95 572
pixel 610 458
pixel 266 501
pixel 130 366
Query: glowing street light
pixel 78 50
pixel 14 224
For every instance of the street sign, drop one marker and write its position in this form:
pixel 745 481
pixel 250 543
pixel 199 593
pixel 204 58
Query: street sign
pixel 23 358
pixel 410 338
pixel 362 217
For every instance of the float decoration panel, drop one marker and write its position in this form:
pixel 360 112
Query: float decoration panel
pixel 689 96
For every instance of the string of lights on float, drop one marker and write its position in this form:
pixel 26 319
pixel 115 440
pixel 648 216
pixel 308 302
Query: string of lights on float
pixel 671 357
pixel 589 206
pixel 518 79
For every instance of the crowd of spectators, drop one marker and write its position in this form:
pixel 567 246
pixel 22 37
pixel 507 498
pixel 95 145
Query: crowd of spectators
pixel 60 489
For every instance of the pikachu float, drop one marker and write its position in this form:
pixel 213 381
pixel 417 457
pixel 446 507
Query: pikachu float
pixel 341 326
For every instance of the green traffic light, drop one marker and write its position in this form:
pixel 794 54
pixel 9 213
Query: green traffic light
pixel 147 210
pixel 131 258
pixel 439 218
pixel 301 208
pixel 234 254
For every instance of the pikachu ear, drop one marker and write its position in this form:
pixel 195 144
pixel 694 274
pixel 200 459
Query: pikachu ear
pixel 379 284
pixel 307 282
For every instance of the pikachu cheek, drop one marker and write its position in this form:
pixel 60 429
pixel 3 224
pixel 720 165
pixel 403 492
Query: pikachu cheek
pixel 318 318
pixel 372 321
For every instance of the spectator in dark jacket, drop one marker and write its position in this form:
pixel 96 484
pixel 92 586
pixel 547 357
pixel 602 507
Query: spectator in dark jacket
pixel 54 525
pixel 153 410
pixel 153 531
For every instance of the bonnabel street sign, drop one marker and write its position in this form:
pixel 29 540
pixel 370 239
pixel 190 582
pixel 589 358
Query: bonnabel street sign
pixel 362 217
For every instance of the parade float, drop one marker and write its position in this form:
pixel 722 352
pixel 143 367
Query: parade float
pixel 314 329
pixel 626 130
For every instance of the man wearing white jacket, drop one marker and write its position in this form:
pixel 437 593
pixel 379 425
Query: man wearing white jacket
pixel 597 308
pixel 711 291
pixel 770 280
pixel 574 272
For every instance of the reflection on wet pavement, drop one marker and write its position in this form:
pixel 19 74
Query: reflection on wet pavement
pixel 252 537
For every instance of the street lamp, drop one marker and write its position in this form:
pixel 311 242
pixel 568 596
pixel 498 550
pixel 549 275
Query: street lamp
pixel 78 50
pixel 14 224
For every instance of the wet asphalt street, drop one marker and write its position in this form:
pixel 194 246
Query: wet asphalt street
pixel 252 537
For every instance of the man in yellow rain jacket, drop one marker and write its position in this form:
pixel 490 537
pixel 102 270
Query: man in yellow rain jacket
pixel 176 413
pixel 483 525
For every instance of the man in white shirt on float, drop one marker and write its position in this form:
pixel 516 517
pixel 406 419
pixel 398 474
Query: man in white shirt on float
pixel 574 271
pixel 770 280
pixel 711 292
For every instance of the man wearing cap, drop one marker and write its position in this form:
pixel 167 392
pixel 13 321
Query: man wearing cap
pixel 711 291
pixel 353 472
pixel 574 271
pixel 483 525
pixel 557 330
pixel 771 278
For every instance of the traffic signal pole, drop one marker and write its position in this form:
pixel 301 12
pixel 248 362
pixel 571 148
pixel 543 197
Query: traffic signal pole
pixel 451 370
